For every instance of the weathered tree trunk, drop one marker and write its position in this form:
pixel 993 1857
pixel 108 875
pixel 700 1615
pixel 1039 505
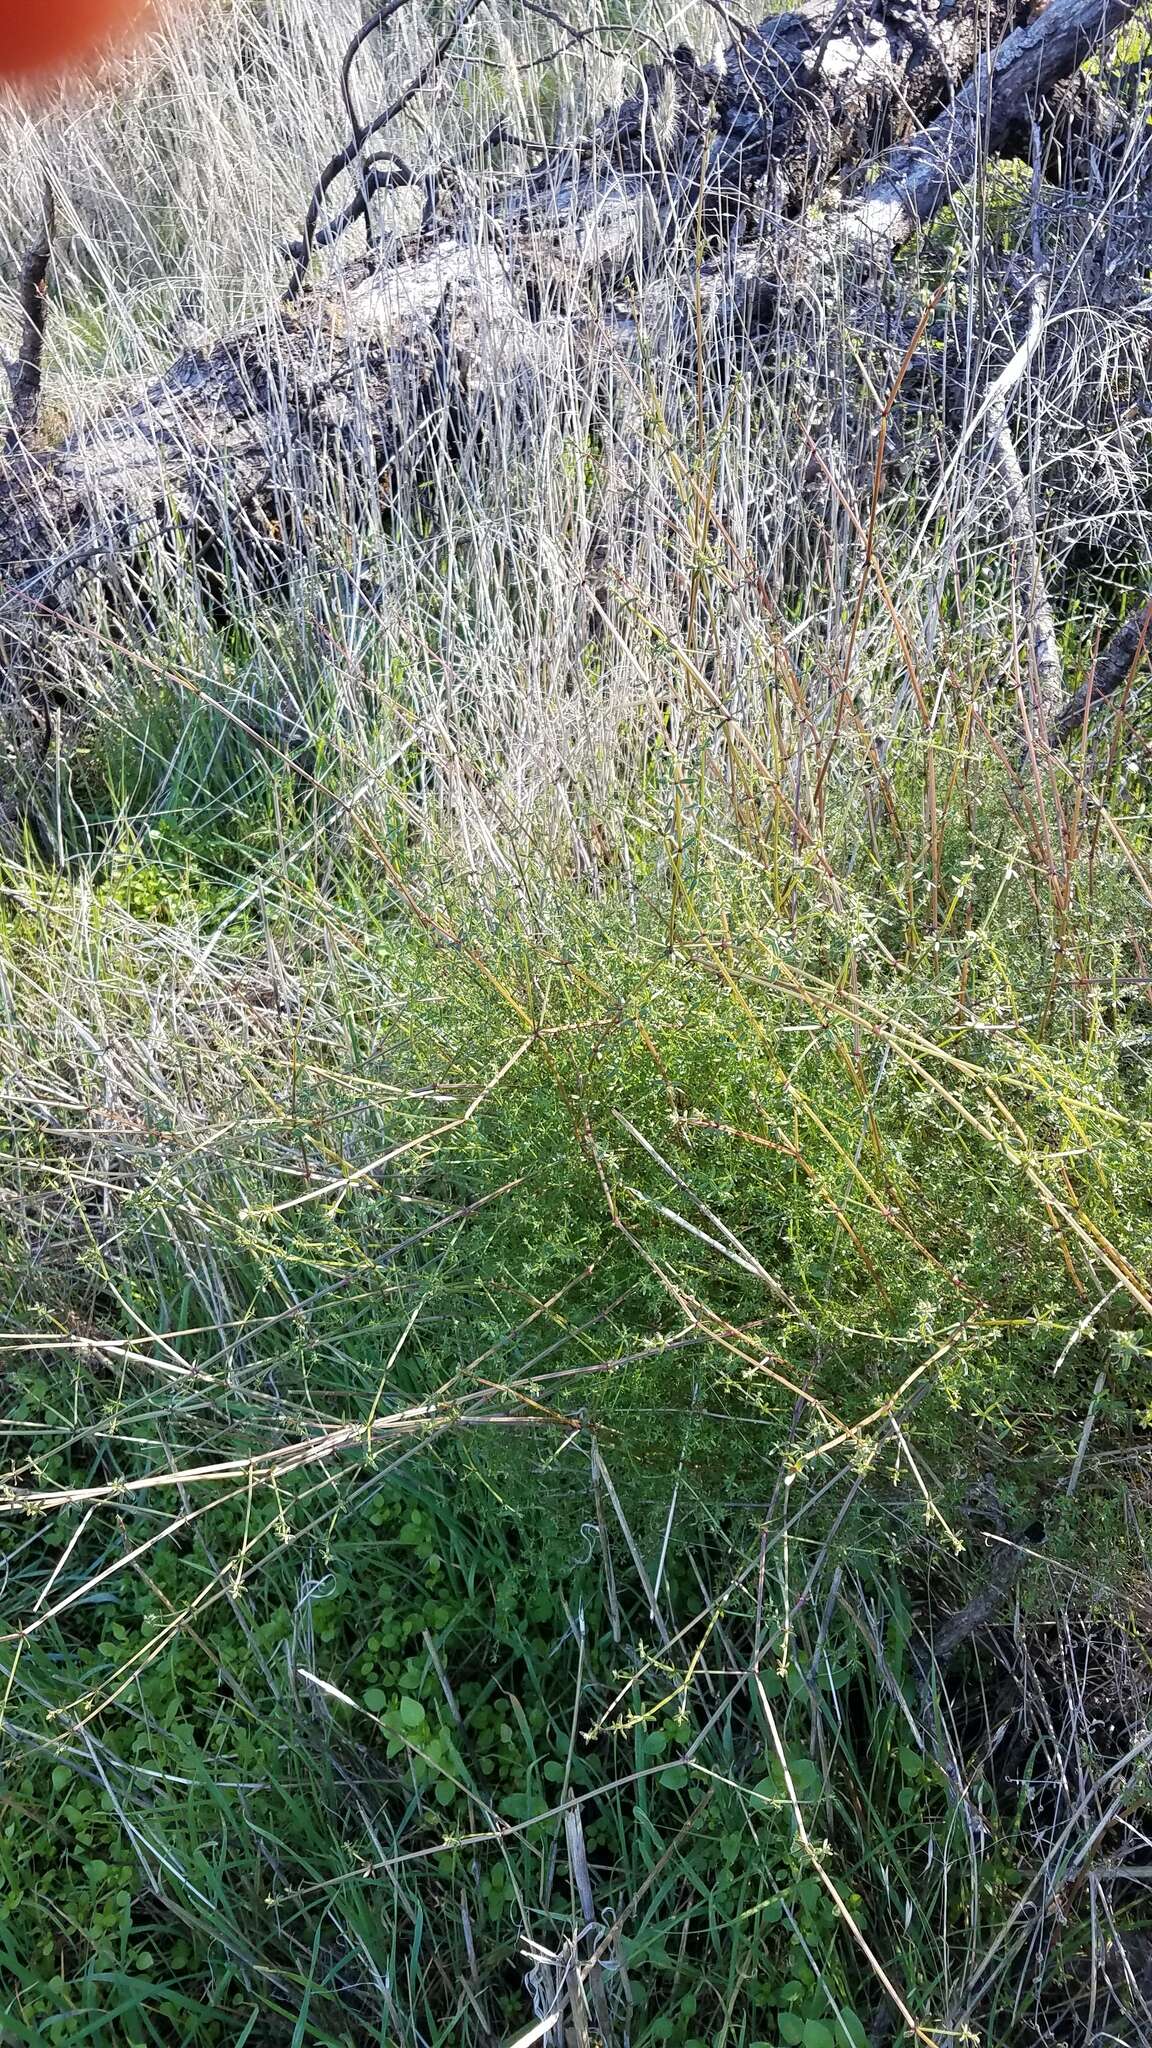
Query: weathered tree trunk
pixel 563 266
pixel 994 110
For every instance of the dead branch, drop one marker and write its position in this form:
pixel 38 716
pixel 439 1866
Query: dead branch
pixel 920 176
pixel 1114 670
pixel 385 173
pixel 26 374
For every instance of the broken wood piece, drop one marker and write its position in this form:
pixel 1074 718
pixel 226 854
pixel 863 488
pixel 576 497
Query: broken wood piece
pixel 1112 671
pixel 26 374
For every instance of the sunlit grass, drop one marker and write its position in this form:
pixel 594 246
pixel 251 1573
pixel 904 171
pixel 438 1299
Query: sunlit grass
pixel 575 1205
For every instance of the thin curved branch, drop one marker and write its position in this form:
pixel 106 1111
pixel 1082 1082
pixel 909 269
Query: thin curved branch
pixel 301 250
pixel 367 28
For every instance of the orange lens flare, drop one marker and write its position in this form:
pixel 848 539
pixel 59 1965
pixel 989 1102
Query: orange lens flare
pixel 39 36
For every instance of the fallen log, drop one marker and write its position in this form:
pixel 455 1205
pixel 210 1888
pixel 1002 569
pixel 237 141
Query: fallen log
pixel 380 376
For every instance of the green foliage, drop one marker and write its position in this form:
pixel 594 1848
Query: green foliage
pixel 654 1212
pixel 573 1174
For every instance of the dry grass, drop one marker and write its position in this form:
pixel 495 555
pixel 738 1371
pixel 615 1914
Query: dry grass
pixel 564 1093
